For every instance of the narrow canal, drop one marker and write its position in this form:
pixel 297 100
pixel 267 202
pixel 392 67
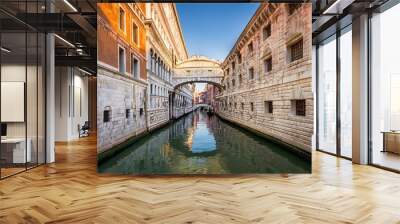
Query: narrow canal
pixel 202 144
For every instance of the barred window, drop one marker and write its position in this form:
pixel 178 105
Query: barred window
pixel 268 106
pixel 251 73
pixel 250 47
pixel 300 107
pixel 296 51
pixel 266 31
pixel 268 65
pixel 252 106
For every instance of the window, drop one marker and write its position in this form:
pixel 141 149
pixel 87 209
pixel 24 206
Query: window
pixel 252 106
pixel 235 105
pixel 233 66
pixel 239 58
pixel 233 83
pixel 293 7
pixel 266 31
pixel 299 107
pixel 251 73
pixel 385 88
pixel 345 92
pixel 242 106
pixel 127 113
pixel 121 19
pixel 296 51
pixel 268 107
pixel 135 67
pixel 135 33
pixel 327 116
pixel 268 65
pixel 107 115
pixel 250 48
pixel 240 79
pixel 121 60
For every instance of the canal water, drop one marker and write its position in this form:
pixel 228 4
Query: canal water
pixel 202 144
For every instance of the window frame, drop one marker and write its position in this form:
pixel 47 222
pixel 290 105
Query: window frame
pixel 137 42
pixel 295 53
pixel 133 58
pixel 300 107
pixel 124 19
pixel 267 31
pixel 268 107
pixel 267 65
pixel 251 74
pixel 119 59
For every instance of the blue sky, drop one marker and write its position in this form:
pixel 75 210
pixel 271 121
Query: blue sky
pixel 211 29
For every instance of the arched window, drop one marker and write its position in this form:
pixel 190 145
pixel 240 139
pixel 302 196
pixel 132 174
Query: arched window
pixel 154 63
pixel 150 60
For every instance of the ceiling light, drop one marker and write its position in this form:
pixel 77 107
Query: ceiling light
pixel 5 50
pixel 65 41
pixel 337 7
pixel 88 73
pixel 70 5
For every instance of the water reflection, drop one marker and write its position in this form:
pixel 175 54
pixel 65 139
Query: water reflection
pixel 202 144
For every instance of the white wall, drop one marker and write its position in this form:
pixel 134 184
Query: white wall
pixel 71 87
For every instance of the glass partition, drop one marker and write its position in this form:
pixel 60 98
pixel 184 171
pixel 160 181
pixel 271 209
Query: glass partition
pixel 13 94
pixel 22 88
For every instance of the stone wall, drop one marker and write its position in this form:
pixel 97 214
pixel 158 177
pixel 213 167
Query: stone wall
pixel 124 97
pixel 287 81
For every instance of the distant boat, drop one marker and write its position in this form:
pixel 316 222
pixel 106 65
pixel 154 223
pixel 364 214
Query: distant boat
pixel 210 112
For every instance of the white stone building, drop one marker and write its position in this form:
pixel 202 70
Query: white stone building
pixel 165 48
pixel 267 76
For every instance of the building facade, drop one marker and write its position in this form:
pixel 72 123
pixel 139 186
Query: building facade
pixel 122 78
pixel 165 48
pixel 267 75
pixel 139 47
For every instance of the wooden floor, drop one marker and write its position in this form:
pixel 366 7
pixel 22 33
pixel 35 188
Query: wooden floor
pixel 70 191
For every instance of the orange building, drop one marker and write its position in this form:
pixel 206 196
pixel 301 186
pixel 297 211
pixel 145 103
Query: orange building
pixel 121 68
pixel 122 26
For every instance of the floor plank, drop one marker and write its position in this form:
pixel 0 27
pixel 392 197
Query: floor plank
pixel 71 191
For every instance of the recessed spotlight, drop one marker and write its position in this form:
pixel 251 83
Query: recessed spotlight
pixel 70 5
pixel 5 50
pixel 64 40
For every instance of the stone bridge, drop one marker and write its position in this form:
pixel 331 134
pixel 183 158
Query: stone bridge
pixel 198 69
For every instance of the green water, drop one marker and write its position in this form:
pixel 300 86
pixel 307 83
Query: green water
pixel 202 144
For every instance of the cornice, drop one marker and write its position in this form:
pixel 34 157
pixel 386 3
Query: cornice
pixel 255 22
pixel 150 24
pixel 180 29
